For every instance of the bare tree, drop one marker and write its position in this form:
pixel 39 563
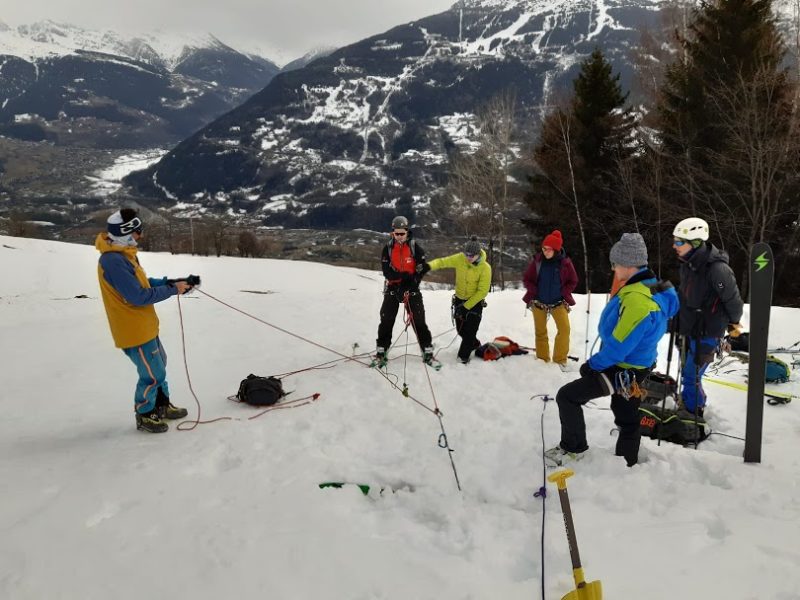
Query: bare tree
pixel 19 225
pixel 219 229
pixel 748 184
pixel 479 182
pixel 248 244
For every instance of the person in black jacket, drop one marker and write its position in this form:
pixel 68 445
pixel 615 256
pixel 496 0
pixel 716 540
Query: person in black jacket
pixel 403 264
pixel 710 305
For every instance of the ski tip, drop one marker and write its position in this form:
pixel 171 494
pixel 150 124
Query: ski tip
pixel 340 484
pixel 365 488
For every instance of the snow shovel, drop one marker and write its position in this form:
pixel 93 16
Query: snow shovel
pixel 592 590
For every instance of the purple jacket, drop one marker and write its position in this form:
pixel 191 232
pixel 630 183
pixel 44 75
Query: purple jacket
pixel 569 278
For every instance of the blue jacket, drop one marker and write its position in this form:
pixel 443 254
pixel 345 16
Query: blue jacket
pixel 633 322
pixel 128 294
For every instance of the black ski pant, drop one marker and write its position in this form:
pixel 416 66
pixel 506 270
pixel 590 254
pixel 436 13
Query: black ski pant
pixel 571 398
pixel 467 324
pixel 393 297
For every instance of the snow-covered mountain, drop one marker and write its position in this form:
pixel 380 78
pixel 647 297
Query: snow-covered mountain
pixel 375 122
pixel 98 88
pixel 307 58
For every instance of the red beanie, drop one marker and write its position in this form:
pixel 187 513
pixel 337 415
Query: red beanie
pixel 553 240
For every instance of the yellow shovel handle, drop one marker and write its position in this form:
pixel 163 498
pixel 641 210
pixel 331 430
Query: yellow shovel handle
pixel 560 478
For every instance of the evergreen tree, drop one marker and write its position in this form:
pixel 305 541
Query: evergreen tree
pixel 729 127
pixel 577 180
pixel 729 41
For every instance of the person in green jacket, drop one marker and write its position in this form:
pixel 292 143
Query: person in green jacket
pixel 473 279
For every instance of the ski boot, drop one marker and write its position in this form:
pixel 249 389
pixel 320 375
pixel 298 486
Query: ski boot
pixel 167 410
pixel 556 457
pixel 428 359
pixel 427 356
pixel 379 360
pixel 151 421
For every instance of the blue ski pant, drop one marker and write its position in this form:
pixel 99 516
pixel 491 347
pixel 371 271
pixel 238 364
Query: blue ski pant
pixel 698 357
pixel 151 363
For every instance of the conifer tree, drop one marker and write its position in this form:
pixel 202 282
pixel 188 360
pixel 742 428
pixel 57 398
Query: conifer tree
pixel 729 125
pixel 576 182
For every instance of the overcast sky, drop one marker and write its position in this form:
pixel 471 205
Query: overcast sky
pixel 285 28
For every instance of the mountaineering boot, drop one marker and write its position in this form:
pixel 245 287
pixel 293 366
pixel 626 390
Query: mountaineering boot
pixel 151 422
pixel 555 457
pixel 167 410
pixel 379 359
pixel 170 411
pixel 427 355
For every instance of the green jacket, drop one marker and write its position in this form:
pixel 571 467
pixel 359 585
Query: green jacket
pixel 472 280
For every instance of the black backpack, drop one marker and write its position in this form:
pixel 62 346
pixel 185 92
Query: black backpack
pixel 670 425
pixel 260 391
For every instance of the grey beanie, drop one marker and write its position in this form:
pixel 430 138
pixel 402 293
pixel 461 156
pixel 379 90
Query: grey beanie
pixel 472 247
pixel 629 251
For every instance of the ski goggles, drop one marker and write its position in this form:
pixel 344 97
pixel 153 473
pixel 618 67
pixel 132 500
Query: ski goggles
pixel 135 225
pixel 680 242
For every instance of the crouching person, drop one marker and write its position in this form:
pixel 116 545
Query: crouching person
pixel 128 296
pixel 630 328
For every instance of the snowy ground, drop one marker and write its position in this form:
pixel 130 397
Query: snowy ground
pixel 93 509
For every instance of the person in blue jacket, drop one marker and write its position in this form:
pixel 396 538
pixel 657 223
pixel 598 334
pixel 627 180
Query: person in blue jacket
pixel 630 328
pixel 128 296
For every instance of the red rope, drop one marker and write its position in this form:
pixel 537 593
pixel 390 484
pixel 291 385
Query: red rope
pixel 434 411
pixel 410 317
pixel 192 424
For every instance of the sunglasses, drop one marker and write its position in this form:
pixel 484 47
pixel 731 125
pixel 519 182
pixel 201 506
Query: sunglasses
pixel 468 255
pixel 679 242
pixel 399 233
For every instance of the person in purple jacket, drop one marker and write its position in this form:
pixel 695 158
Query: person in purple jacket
pixel 549 281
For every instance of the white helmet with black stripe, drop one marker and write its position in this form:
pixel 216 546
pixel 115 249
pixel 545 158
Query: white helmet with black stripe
pixel 693 228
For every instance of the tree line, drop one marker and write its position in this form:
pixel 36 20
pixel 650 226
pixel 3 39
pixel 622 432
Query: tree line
pixel 715 136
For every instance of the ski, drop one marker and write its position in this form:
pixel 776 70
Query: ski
pixel 365 487
pixel 744 387
pixel 762 272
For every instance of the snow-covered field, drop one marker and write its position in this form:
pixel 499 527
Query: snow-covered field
pixel 93 509
pixel 109 180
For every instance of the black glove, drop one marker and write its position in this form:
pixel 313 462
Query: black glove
pixel 192 280
pixel 423 268
pixel 586 370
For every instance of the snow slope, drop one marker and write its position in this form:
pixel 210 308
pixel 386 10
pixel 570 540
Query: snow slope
pixel 91 508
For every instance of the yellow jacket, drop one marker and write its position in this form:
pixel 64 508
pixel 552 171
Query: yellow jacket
pixel 128 295
pixel 472 280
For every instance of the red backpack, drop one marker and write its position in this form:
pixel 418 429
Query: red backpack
pixel 499 347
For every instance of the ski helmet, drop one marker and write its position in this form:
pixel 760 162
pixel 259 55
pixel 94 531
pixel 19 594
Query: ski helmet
pixel 693 228
pixel 399 223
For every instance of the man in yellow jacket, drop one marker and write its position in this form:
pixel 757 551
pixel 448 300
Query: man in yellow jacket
pixel 473 280
pixel 128 296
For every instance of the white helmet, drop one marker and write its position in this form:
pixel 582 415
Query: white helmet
pixel 693 228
